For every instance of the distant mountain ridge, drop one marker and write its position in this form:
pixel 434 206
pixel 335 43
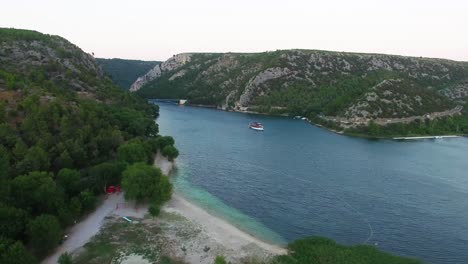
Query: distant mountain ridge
pixel 125 72
pixel 352 86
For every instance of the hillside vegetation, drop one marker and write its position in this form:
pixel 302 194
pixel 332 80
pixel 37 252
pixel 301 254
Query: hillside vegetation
pixel 320 250
pixel 125 72
pixel 66 132
pixel 341 90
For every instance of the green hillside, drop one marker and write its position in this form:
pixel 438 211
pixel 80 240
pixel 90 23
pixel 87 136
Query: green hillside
pixel 352 89
pixel 66 132
pixel 125 72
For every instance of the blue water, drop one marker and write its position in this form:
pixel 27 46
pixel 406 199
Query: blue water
pixel 295 180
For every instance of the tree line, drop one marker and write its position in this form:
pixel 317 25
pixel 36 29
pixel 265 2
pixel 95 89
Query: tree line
pixel 58 158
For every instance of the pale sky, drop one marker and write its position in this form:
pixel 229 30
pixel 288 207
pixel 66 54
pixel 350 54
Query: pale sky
pixel 155 30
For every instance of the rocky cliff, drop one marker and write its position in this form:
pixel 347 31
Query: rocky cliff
pixel 170 65
pixel 311 82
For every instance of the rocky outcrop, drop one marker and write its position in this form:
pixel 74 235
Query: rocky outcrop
pixel 257 81
pixel 171 64
pixel 55 59
pixel 308 82
pixel 457 92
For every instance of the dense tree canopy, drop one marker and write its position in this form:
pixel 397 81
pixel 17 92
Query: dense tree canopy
pixel 66 132
pixel 133 152
pixel 14 252
pixel 45 233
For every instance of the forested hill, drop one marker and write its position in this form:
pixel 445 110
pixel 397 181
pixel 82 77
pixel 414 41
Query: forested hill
pixel 345 91
pixel 66 132
pixel 125 72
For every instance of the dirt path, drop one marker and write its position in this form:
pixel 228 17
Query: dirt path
pixel 82 232
pixel 358 121
pixel 86 229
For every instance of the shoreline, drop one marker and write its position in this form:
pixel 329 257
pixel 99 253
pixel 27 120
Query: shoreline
pixel 233 242
pixel 395 137
pixel 218 228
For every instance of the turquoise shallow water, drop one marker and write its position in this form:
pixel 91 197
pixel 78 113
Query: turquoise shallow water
pixel 295 180
pixel 217 207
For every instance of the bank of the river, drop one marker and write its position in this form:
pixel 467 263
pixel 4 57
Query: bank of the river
pixel 342 132
pixel 298 180
pixel 210 235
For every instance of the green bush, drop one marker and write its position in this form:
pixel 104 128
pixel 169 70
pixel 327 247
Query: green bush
pixel 325 251
pixel 143 182
pixel 170 152
pixel 220 260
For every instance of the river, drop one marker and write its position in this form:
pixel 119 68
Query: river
pixel 295 180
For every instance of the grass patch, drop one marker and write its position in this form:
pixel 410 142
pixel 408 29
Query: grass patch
pixel 118 239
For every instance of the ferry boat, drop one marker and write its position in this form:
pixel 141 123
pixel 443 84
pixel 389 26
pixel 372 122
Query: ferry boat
pixel 256 126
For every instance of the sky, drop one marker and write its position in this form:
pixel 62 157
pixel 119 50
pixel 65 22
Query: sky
pixel 155 30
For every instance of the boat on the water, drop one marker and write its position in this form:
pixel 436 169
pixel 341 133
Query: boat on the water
pixel 256 126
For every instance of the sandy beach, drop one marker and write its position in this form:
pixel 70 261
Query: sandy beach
pixel 163 163
pixel 217 234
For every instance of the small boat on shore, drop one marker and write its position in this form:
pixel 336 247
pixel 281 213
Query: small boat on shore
pixel 256 126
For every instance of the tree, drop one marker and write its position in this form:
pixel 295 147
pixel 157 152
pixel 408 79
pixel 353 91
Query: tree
pixel 44 233
pixel 2 112
pixel 36 191
pixel 105 174
pixel 141 182
pixel 154 209
pixel 88 200
pixel 64 161
pixel 164 191
pixel 8 136
pixel 12 252
pixel 69 180
pixel 165 141
pixel 13 221
pixel 36 159
pixel 153 144
pixel 65 258
pixel 374 129
pixel 170 152
pixel 133 152
pixel 74 207
pixel 20 150
pixel 4 162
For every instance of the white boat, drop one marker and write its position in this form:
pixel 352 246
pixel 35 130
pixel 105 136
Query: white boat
pixel 256 126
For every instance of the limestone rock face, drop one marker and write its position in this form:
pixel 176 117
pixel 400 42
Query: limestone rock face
pixel 311 82
pixel 171 64
pixel 62 61
pixel 255 82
